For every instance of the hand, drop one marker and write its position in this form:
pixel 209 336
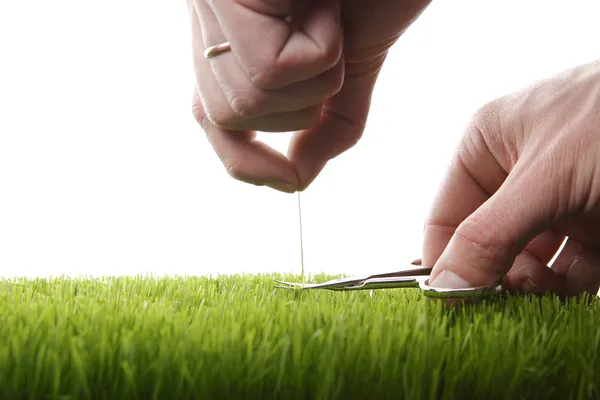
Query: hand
pixel 313 74
pixel 525 176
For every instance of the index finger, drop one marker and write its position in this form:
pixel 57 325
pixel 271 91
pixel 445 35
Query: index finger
pixel 269 49
pixel 458 197
pixel 473 176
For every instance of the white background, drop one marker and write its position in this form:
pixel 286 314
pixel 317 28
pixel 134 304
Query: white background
pixel 103 170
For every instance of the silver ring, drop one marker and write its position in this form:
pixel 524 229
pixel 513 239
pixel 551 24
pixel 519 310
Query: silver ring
pixel 217 49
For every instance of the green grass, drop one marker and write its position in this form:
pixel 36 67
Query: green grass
pixel 238 337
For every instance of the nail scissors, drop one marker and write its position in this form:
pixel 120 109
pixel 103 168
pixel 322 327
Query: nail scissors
pixel 416 276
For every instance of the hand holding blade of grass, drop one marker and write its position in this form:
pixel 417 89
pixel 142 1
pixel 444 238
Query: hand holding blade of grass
pixel 303 66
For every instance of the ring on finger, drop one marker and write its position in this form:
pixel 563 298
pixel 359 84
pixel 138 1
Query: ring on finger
pixel 224 47
pixel 217 49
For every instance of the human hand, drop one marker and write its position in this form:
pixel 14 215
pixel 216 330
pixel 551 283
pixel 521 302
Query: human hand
pixel 314 74
pixel 525 176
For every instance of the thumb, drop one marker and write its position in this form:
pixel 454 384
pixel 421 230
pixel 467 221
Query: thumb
pixel 484 246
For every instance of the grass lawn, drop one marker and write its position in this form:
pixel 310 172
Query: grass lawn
pixel 238 337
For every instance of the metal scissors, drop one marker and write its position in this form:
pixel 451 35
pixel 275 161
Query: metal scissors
pixel 415 276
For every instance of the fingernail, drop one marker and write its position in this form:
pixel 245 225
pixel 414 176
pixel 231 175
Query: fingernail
pixel 416 261
pixel 282 186
pixel 530 286
pixel 449 280
pixel 580 276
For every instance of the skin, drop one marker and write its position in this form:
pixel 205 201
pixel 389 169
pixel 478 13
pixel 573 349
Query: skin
pixel 314 76
pixel 525 176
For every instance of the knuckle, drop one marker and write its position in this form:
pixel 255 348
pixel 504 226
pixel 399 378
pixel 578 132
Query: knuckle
pixel 200 115
pixel 216 118
pixel 245 104
pixel 327 56
pixel 330 55
pixel 269 73
pixel 482 236
pixel 264 76
pixel 473 144
pixel 209 115
pixel 492 130
pixel 220 117
pixel 235 168
pixel 486 116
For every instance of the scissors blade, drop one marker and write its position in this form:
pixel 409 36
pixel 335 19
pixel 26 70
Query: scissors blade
pixel 406 277
pixel 332 284
pixel 392 282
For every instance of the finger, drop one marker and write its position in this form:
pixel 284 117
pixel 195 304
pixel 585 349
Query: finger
pixel 217 105
pixel 486 243
pixel 244 158
pixel 482 218
pixel 530 272
pixel 248 100
pixel 529 275
pixel 271 51
pixel 247 159
pixel 578 267
pixel 472 176
pixel 459 195
pixel 339 128
pixel 544 246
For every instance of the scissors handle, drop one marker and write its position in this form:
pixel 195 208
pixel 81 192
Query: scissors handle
pixel 478 292
pixel 422 283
